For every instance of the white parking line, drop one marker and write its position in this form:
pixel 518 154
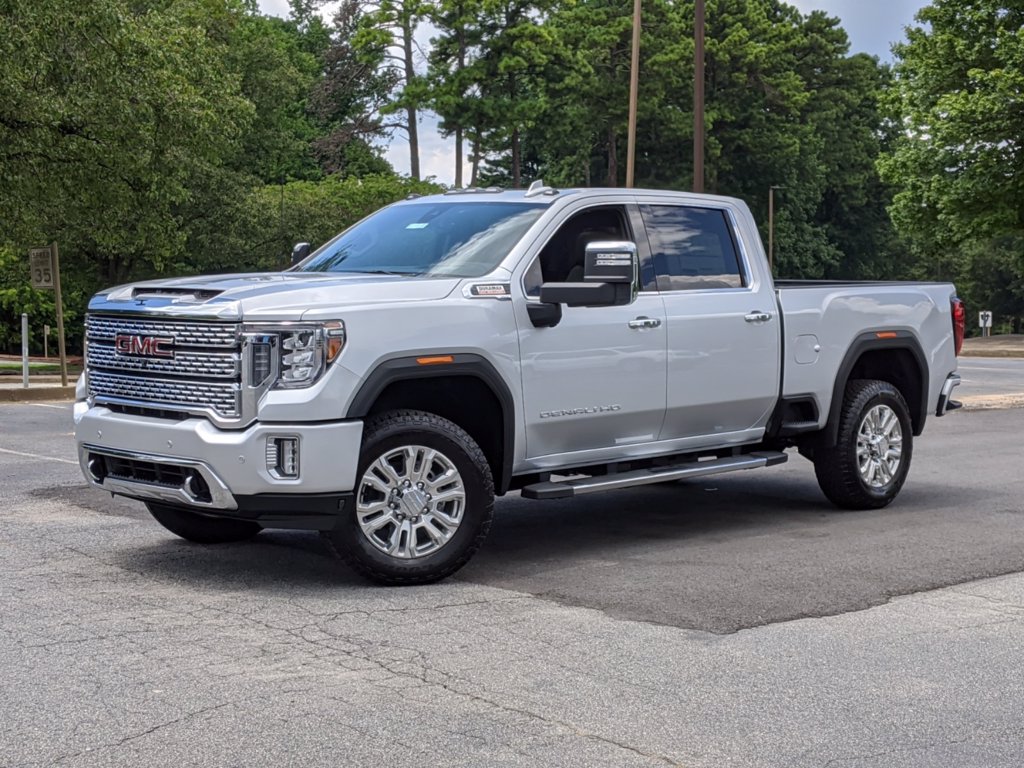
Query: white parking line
pixel 51 405
pixel 37 456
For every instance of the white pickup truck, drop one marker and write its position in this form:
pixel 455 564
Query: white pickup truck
pixel 451 348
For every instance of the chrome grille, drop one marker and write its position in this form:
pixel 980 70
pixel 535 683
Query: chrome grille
pixel 221 397
pixel 214 365
pixel 223 335
pixel 203 376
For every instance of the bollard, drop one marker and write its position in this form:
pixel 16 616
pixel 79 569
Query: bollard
pixel 24 350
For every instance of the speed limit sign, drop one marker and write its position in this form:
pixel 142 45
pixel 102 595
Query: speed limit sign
pixel 44 272
pixel 40 265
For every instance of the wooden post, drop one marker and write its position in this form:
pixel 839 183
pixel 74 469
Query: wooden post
pixel 698 97
pixel 60 318
pixel 634 84
pixel 24 350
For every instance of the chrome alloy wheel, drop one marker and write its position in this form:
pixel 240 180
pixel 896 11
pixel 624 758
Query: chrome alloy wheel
pixel 410 501
pixel 879 446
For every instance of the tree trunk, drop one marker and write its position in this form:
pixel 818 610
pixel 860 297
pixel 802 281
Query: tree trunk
pixel 474 151
pixel 410 109
pixel 458 158
pixel 613 161
pixel 516 177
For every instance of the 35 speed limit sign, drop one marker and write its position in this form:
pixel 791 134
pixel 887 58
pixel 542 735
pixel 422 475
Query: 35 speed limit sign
pixel 40 264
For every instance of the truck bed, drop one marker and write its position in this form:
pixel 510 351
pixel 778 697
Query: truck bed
pixel 823 319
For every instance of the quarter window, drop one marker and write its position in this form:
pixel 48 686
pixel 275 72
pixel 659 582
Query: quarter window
pixel 692 248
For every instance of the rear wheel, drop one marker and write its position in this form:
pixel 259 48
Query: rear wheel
pixel 199 528
pixel 868 465
pixel 424 499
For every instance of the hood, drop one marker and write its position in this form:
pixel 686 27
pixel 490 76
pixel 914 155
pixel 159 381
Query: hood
pixel 267 296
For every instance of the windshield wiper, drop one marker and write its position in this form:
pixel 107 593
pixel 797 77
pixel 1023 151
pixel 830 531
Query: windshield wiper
pixel 382 272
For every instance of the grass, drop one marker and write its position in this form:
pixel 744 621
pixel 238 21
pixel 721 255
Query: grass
pixel 10 366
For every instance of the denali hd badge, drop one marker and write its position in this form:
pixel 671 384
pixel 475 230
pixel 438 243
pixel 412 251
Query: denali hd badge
pixel 580 411
pixel 144 346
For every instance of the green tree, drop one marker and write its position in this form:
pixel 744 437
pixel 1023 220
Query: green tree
pixel 956 158
pixel 109 113
pixel 957 90
pixel 389 26
pixel 447 87
pixel 505 81
pixel 349 98
pixel 277 62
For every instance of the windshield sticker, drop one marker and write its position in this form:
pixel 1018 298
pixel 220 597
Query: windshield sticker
pixel 418 225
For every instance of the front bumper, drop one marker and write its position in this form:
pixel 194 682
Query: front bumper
pixel 194 464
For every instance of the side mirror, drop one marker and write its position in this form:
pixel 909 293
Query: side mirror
pixel 299 252
pixel 611 278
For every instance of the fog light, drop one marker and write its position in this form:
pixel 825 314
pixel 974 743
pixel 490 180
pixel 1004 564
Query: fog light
pixel 283 457
pixel 97 468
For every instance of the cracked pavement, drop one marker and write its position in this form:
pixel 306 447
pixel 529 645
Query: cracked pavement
pixel 739 623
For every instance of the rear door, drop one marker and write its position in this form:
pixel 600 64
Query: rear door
pixel 723 330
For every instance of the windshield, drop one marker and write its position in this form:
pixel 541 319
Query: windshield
pixel 429 239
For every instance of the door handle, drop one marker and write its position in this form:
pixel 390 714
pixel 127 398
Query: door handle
pixel 757 316
pixel 644 322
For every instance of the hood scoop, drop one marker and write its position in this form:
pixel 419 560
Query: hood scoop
pixel 195 295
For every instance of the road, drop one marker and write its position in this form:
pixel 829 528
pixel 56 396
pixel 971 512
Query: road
pixel 738 622
pixel 986 380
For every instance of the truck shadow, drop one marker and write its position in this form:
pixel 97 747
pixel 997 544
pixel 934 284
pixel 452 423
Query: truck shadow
pixel 273 562
pixel 647 535
pixel 691 514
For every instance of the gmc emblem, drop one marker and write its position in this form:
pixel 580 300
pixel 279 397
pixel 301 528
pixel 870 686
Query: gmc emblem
pixel 144 346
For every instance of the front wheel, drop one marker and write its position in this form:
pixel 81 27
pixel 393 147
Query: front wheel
pixel 424 499
pixel 199 528
pixel 868 465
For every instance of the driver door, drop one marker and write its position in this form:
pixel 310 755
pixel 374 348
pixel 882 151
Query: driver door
pixel 596 382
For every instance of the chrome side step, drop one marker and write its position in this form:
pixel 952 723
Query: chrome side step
pixel 569 488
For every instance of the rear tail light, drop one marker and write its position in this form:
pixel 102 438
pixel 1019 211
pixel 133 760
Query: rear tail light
pixel 959 313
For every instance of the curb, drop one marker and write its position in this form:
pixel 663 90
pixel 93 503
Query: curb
pixel 35 394
pixel 992 353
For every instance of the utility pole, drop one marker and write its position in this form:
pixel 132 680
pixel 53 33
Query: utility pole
pixel 771 226
pixel 698 97
pixel 634 82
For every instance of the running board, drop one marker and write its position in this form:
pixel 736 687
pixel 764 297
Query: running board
pixel 569 488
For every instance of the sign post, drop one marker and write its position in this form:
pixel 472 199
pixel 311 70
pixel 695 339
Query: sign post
pixel 44 268
pixel 60 319
pixel 985 322
pixel 24 350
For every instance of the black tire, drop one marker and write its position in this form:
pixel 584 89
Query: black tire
pixel 838 467
pixel 201 529
pixel 383 435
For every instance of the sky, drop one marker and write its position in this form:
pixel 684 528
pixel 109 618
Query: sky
pixel 872 25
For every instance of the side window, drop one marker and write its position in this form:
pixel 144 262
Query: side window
pixel 561 260
pixel 692 248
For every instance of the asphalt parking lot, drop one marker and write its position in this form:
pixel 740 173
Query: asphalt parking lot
pixel 738 622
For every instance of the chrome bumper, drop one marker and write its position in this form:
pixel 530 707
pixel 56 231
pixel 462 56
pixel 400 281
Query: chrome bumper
pixel 945 402
pixel 193 463
pixel 195 485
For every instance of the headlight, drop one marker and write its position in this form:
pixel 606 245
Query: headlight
pixel 302 352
